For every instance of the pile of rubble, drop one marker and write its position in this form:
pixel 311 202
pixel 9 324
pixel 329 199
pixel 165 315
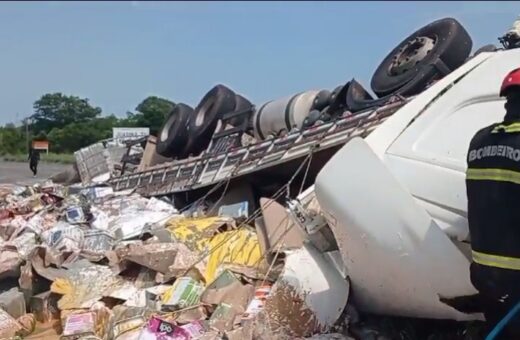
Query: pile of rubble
pixel 88 263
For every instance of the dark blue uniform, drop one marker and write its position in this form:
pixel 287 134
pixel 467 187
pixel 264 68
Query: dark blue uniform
pixel 493 189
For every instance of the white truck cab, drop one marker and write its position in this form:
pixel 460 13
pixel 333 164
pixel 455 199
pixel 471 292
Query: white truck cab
pixel 425 143
pixel 396 201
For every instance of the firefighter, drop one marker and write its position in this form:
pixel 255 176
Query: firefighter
pixel 493 190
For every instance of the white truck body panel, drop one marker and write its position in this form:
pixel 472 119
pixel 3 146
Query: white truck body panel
pixel 399 261
pixel 428 156
pixel 399 212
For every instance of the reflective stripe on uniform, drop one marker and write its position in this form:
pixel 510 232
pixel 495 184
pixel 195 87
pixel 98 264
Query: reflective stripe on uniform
pixel 494 175
pixel 514 127
pixel 489 260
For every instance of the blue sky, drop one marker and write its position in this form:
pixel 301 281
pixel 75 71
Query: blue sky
pixel 117 53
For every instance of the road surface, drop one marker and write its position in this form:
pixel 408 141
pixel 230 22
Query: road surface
pixel 19 173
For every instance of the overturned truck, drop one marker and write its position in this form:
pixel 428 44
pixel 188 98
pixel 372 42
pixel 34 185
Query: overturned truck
pixel 226 137
pixel 384 176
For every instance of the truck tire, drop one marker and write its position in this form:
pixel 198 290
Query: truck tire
pixel 322 100
pixel 174 133
pixel 444 42
pixel 218 101
pixel 214 104
pixel 241 104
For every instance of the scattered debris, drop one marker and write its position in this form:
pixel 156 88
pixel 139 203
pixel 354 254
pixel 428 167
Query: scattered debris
pixel 91 263
pixel 185 292
pixel 13 302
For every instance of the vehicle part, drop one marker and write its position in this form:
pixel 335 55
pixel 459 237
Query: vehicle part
pixel 300 109
pixel 174 134
pixel 241 104
pixel 309 296
pixel 338 102
pixel 411 149
pixel 400 241
pixel 214 104
pixel 283 114
pixel 150 156
pixel 444 43
pixel 322 100
pixel 325 117
pixel 359 99
pixel 314 226
pixel 270 117
pixel 335 92
pixel 276 231
pixel 188 175
pixel 312 118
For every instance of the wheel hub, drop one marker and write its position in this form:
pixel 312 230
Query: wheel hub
pixel 410 55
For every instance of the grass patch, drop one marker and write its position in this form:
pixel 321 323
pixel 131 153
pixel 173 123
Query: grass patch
pixel 48 158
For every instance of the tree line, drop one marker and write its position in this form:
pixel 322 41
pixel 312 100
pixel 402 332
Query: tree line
pixel 69 123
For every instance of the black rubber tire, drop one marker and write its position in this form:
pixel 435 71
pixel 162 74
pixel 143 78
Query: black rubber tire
pixel 241 104
pixel 218 101
pixel 452 47
pixel 322 100
pixel 173 135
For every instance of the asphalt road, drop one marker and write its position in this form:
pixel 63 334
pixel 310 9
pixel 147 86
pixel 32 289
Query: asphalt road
pixel 19 173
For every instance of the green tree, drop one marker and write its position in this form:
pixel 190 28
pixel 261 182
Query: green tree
pixel 56 110
pixel 78 135
pixel 151 112
pixel 12 140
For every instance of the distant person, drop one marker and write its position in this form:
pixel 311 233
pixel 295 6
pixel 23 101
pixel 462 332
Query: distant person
pixel 34 158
